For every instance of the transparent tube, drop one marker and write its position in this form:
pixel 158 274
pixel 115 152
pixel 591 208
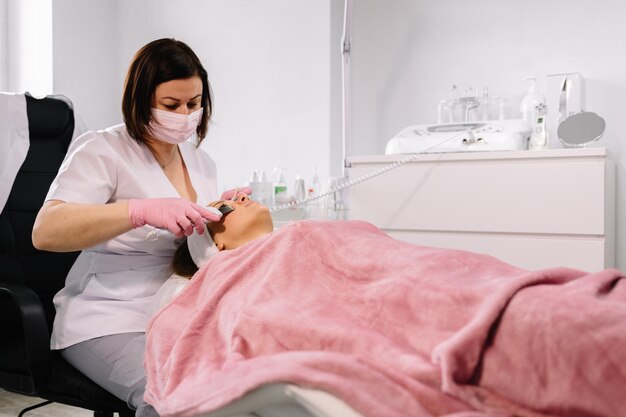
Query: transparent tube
pixel 349 183
pixel 157 233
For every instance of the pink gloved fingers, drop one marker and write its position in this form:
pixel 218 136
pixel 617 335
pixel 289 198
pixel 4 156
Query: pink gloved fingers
pixel 186 225
pixel 176 231
pixel 199 226
pixel 197 216
pixel 193 219
pixel 227 195
pixel 165 213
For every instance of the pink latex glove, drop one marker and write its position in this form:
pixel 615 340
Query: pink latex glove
pixel 177 215
pixel 228 194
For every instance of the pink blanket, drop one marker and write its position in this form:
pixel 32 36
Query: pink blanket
pixel 391 328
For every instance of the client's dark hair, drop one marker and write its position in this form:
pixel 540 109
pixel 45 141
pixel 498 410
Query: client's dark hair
pixel 182 264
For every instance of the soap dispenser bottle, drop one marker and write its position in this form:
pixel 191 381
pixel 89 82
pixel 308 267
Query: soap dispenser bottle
pixel 528 106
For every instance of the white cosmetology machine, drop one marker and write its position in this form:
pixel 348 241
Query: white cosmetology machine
pixel 479 136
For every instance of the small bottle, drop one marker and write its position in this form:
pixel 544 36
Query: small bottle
pixel 529 103
pixel 314 189
pixel 444 112
pixel 299 188
pixel 262 189
pixel 256 185
pixel 484 101
pixel 280 187
pixel 539 136
pixel 316 208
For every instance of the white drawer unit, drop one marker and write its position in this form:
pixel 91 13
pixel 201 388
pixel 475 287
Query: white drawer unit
pixel 532 209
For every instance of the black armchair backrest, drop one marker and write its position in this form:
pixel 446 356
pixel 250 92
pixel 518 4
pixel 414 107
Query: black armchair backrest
pixel 51 126
pixel 27 365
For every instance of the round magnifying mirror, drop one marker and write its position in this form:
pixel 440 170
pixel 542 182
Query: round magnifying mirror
pixel 580 129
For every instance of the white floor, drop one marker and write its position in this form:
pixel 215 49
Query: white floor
pixel 11 404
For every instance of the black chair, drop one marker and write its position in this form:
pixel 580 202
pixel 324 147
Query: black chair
pixel 29 278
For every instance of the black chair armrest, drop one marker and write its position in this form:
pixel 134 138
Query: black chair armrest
pixel 35 327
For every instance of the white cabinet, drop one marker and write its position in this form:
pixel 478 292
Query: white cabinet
pixel 533 209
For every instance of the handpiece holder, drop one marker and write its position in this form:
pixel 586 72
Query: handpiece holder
pixel 565 96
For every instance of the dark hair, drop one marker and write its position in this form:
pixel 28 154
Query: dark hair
pixel 182 264
pixel 160 61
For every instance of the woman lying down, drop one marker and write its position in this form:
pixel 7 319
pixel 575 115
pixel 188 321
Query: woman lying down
pixel 391 328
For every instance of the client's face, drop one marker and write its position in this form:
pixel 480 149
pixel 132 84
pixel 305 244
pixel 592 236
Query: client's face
pixel 248 221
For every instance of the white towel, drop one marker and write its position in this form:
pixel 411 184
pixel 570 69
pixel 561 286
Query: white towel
pixel 14 140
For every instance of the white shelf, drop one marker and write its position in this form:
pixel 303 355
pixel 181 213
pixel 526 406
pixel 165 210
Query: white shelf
pixel 568 153
pixel 533 209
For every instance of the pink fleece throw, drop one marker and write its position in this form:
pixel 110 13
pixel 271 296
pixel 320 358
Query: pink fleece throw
pixel 392 328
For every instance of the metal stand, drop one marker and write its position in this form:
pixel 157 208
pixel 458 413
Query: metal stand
pixel 340 199
pixel 346 47
pixel 32 407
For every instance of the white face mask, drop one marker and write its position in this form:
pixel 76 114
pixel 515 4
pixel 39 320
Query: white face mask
pixel 172 127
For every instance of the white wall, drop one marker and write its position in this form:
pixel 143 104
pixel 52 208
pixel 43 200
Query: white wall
pixel 86 66
pixel 336 95
pixel 275 68
pixel 4 43
pixel 407 54
pixel 268 62
pixel 28 51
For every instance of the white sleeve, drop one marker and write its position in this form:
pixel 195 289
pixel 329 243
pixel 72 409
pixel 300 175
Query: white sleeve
pixel 88 174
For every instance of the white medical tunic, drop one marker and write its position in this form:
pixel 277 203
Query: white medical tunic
pixel 110 286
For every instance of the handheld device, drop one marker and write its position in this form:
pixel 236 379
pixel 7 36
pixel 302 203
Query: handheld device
pixel 157 233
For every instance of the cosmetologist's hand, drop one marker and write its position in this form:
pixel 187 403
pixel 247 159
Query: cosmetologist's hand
pixel 177 215
pixel 228 194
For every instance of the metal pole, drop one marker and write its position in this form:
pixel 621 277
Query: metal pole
pixel 346 46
